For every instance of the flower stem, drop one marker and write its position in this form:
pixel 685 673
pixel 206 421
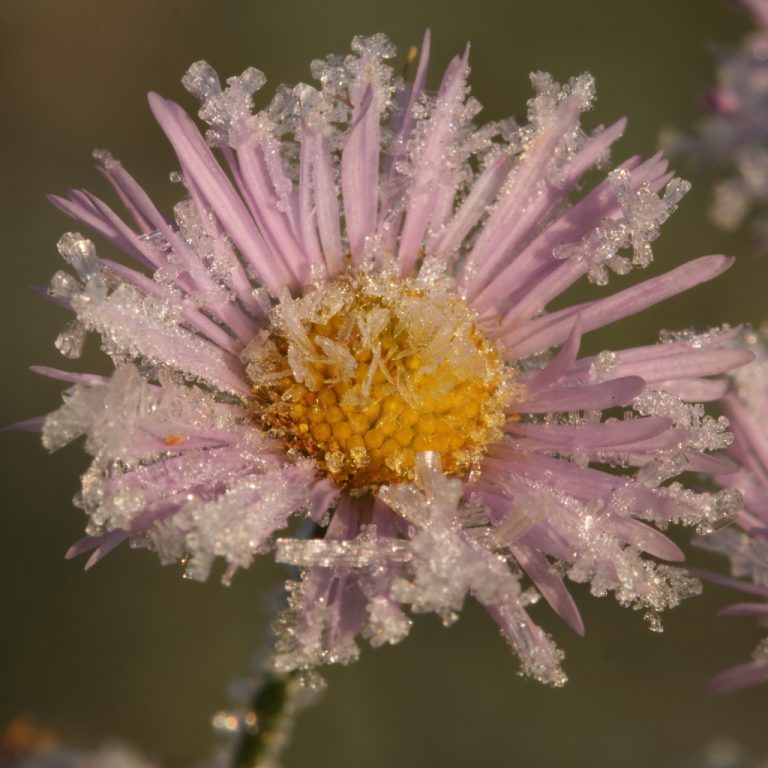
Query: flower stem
pixel 268 723
pixel 266 726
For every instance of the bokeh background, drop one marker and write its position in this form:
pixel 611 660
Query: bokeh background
pixel 132 652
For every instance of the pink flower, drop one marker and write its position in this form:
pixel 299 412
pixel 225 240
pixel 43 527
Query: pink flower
pixel 347 319
pixel 746 407
pixel 731 141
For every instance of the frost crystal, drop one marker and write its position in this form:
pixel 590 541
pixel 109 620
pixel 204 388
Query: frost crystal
pixel 642 213
pixel 346 319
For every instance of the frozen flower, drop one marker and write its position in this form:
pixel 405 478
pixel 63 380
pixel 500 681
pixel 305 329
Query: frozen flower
pixel 733 140
pixel 347 319
pixel 746 543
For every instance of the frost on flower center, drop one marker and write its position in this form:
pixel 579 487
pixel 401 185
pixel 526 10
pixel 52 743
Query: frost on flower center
pixel 364 372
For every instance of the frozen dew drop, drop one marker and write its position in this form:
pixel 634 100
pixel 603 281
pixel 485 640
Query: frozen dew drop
pixel 252 80
pixel 71 340
pixel 63 286
pixel 79 253
pixel 201 80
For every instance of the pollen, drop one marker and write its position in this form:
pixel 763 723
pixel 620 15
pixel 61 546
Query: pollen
pixel 365 372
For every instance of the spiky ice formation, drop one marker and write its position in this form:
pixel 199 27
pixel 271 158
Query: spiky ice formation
pixel 351 321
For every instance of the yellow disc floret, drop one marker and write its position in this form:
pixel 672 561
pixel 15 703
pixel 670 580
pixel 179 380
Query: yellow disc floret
pixel 364 372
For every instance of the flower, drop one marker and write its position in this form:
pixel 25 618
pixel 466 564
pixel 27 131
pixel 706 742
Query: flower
pixel 383 358
pixel 25 744
pixel 732 139
pixel 746 407
pixel 111 756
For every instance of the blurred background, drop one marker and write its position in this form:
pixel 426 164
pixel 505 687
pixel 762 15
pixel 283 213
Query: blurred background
pixel 130 651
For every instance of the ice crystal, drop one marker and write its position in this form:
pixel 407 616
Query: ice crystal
pixel 642 213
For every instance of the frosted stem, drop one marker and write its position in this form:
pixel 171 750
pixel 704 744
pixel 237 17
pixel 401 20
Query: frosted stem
pixel 273 706
pixel 266 727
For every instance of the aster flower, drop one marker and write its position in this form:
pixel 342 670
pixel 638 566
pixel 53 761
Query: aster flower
pixel 347 318
pixel 733 140
pixel 746 543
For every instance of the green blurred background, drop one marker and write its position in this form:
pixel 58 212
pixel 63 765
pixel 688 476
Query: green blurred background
pixel 131 651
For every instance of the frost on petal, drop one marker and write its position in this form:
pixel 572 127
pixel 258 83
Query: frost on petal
pixel 224 109
pixel 129 420
pixel 358 585
pixel 586 521
pixel 453 558
pixel 678 365
pixel 546 153
pixel 747 555
pixel 238 522
pixel 635 226
pixel 135 323
pixel 707 433
pixel 343 592
pixel 177 471
pixel 446 564
pixel 539 657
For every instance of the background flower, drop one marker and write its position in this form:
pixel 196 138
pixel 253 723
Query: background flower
pixel 731 141
pixel 745 544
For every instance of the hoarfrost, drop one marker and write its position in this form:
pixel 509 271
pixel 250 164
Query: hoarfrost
pixel 225 110
pixel 237 523
pixel 446 564
pixel 542 111
pixel 177 470
pixel 71 340
pixel 702 431
pixel 637 225
pixel 445 558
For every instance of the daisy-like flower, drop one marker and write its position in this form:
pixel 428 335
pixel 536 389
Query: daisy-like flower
pixel 746 543
pixel 733 140
pixel 347 319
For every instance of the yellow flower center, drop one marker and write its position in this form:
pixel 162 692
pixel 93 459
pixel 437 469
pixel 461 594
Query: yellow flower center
pixel 364 372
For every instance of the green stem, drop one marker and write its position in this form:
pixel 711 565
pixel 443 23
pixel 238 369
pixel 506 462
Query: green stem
pixel 267 725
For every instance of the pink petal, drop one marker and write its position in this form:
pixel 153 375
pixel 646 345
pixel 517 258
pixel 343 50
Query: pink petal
pixel 554 328
pixel 608 394
pixel 360 171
